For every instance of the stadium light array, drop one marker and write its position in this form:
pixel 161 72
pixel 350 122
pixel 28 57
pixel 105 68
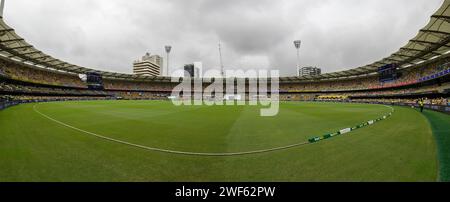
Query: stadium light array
pixel 168 49
pixel 298 44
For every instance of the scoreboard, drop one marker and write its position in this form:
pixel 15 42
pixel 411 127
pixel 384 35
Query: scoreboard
pixel 94 81
pixel 389 73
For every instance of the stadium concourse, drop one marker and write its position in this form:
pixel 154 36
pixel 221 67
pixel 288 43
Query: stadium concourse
pixel 29 75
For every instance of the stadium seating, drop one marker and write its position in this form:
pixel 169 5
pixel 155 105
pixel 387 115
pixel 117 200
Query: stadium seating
pixel 40 76
pixel 29 83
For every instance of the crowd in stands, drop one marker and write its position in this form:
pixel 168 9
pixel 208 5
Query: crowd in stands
pixel 436 101
pixel 12 100
pixel 431 89
pixel 406 91
pixel 36 81
pixel 141 95
pixel 111 84
pixel 40 76
pixel 30 89
pixel 48 98
pixel 409 76
pixel 4 98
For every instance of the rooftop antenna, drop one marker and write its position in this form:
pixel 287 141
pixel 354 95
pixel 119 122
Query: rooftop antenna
pixel 221 62
pixel 2 6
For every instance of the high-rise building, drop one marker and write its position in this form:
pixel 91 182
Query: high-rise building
pixel 309 71
pixel 149 65
pixel 189 70
pixel 193 70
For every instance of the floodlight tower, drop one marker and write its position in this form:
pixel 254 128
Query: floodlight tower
pixel 168 49
pixel 298 44
pixel 2 6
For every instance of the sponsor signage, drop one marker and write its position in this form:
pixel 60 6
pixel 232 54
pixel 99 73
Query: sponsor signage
pixel 346 130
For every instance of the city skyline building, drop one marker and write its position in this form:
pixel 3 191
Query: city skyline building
pixel 309 71
pixel 149 65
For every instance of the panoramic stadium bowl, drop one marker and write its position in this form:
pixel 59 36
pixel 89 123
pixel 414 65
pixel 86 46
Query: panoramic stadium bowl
pixel 50 132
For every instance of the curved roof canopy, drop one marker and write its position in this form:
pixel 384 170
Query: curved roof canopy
pixel 432 42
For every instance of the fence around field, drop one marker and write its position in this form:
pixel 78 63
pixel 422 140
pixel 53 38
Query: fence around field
pixel 440 108
pixel 7 104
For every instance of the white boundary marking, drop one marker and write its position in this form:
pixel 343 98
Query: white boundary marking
pixel 174 151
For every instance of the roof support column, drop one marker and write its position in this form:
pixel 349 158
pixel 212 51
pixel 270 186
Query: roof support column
pixel 2 6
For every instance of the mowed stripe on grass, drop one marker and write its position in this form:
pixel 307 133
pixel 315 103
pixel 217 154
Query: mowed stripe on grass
pixel 35 149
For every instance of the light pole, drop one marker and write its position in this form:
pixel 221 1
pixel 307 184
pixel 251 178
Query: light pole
pixel 168 49
pixel 298 44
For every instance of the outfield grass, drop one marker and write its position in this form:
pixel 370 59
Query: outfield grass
pixel 34 148
pixel 440 124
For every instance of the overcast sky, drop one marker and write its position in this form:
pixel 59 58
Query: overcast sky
pixel 111 34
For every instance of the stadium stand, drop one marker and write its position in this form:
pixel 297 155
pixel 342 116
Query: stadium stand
pixel 27 74
pixel 429 81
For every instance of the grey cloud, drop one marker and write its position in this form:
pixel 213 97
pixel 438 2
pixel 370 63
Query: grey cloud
pixel 110 34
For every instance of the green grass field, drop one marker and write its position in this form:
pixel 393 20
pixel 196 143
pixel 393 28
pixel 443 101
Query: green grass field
pixel 35 148
pixel 440 124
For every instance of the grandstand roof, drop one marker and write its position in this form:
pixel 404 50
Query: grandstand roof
pixel 432 42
